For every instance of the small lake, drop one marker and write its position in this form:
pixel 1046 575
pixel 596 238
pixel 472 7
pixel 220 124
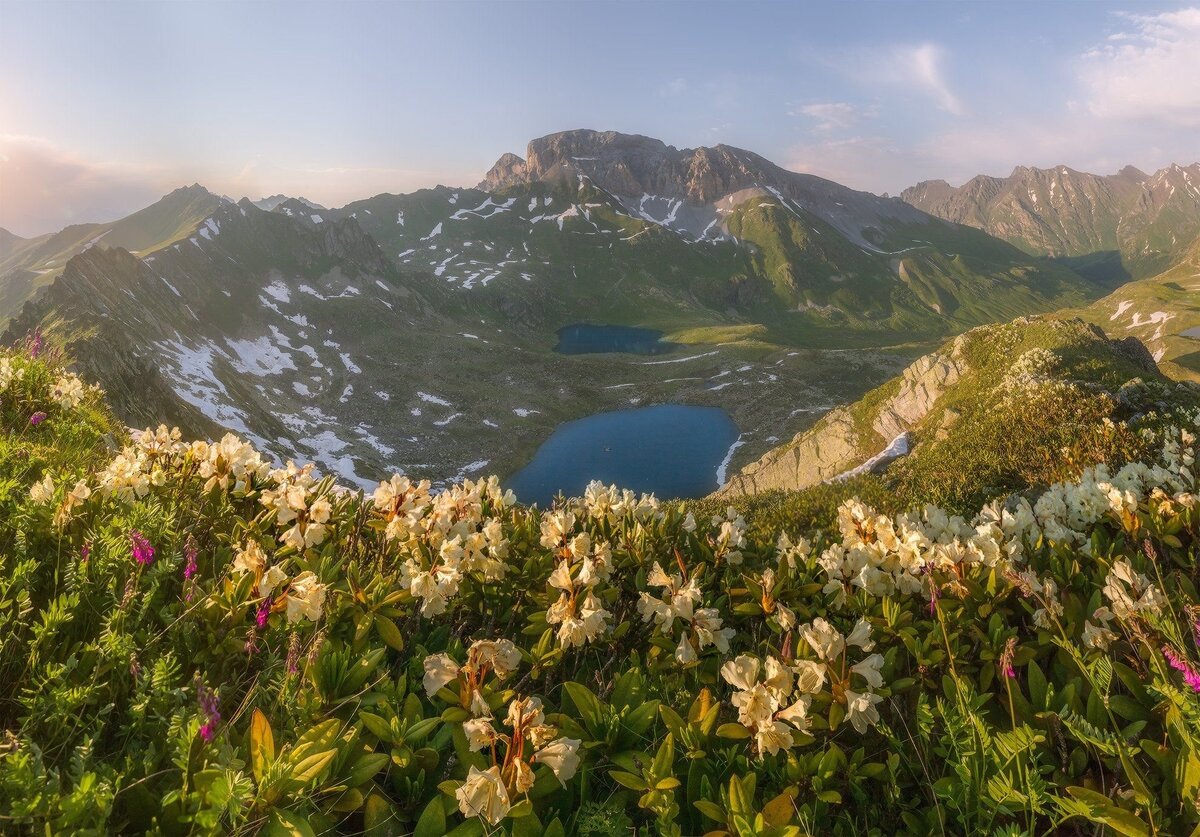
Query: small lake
pixel 582 339
pixel 670 450
pixel 1193 332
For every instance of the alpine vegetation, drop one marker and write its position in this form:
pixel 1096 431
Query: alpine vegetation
pixel 194 640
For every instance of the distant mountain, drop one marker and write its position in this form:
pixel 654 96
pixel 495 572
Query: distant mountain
pixel 1110 226
pixel 413 331
pixel 275 200
pixel 29 265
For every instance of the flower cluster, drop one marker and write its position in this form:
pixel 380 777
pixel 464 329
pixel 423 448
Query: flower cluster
pixel 529 740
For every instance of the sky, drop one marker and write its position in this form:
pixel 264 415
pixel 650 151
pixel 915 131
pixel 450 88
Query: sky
pixel 105 106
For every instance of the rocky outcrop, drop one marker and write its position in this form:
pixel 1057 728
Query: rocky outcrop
pixel 921 385
pixel 816 455
pixel 630 165
pixel 508 171
pixel 836 445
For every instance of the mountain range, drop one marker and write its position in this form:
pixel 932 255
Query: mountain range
pixel 417 331
pixel 1113 227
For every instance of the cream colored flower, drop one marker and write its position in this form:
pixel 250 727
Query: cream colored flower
pixel 271 579
pixel 483 795
pixel 439 670
pixel 305 598
pixel 561 756
pixel 480 733
pixel 810 676
pixel 860 709
pixel 250 559
pixel 869 669
pixel 741 672
pixel 42 492
pixel 826 640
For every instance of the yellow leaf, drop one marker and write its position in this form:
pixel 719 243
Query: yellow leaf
pixel 262 744
pixel 778 812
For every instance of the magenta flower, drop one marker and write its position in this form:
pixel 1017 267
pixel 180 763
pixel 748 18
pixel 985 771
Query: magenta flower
pixel 37 418
pixel 35 343
pixel 263 612
pixel 189 553
pixel 1190 676
pixel 210 705
pixel 143 552
pixel 85 552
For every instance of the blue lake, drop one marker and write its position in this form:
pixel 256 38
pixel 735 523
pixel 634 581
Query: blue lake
pixel 582 339
pixel 670 450
pixel 1194 332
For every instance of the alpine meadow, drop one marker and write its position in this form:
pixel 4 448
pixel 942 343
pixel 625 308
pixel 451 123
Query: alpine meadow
pixel 368 487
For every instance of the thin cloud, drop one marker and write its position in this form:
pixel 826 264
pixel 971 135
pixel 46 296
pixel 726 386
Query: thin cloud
pixel 830 116
pixel 923 65
pixel 1150 72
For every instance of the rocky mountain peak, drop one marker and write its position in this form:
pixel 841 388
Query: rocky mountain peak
pixel 508 171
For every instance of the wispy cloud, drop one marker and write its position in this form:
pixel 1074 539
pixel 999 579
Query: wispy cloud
pixel 923 66
pixel 674 87
pixel 830 116
pixel 1149 72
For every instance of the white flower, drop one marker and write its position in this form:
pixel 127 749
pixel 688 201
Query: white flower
pixel 271 579
pixel 305 598
pixel 797 713
pixel 869 670
pixel 501 654
pixel 773 737
pixel 741 672
pixel 810 676
pixel 250 559
pixel 480 733
pixel 562 756
pixel 42 492
pixel 439 670
pixel 861 635
pixel 483 795
pixel 860 709
pixel 824 639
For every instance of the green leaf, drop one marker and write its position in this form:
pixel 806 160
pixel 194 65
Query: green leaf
pixel 389 633
pixel 734 731
pixel 714 812
pixel 283 823
pixel 433 820
pixel 628 780
pixel 1102 810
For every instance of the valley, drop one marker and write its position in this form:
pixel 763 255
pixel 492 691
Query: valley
pixel 424 333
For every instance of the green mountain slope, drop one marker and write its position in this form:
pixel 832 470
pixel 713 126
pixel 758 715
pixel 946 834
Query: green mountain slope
pixel 29 265
pixel 1112 227
pixel 997 408
pixel 1163 312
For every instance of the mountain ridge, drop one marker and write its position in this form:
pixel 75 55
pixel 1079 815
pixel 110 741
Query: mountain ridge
pixel 1146 221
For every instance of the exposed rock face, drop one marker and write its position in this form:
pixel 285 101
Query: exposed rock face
pixel 816 455
pixel 836 445
pixel 629 165
pixel 1147 219
pixel 508 171
pixel 920 387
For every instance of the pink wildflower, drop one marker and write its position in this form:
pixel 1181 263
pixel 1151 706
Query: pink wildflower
pixel 143 552
pixel 37 418
pixel 1190 676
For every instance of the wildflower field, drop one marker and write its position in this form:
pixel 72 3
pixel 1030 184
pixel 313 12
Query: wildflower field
pixel 193 641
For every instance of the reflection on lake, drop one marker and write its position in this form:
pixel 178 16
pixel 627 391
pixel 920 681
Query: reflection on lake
pixel 670 450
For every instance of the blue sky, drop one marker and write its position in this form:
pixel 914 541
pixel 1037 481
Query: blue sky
pixel 104 106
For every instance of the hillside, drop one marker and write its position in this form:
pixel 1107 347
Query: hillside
pixel 1110 227
pixel 993 409
pixel 385 334
pixel 194 641
pixel 1163 312
pixel 27 266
